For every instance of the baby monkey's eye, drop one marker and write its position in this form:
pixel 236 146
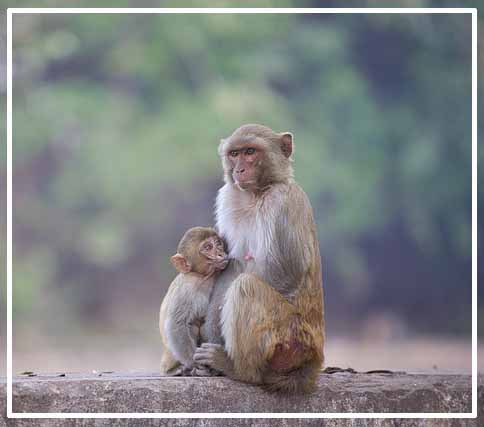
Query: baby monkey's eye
pixel 234 153
pixel 208 246
pixel 250 151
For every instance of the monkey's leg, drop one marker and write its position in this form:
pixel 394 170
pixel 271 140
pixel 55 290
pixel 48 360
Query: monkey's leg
pixel 168 362
pixel 180 339
pixel 263 333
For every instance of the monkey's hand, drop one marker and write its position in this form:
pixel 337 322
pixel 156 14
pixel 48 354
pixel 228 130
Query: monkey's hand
pixel 215 357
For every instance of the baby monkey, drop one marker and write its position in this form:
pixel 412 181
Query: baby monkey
pixel 200 256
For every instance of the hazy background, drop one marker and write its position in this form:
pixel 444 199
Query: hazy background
pixel 117 119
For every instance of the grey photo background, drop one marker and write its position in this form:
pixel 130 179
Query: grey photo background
pixel 117 119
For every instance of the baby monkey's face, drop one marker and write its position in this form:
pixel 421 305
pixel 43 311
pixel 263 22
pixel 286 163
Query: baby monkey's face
pixel 212 250
pixel 200 251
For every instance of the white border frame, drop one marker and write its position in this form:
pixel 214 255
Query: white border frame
pixel 12 11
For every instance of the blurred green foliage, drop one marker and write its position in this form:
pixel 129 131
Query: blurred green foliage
pixel 117 120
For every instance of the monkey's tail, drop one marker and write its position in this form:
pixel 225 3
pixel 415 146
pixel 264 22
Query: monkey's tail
pixel 300 380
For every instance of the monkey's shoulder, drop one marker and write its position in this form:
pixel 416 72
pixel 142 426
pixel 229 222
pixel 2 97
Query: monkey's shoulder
pixel 289 190
pixel 288 198
pixel 192 283
pixel 189 294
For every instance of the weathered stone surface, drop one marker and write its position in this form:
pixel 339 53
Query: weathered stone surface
pixel 341 392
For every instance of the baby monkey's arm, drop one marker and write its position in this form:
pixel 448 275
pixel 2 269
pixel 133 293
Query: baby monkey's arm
pixel 181 336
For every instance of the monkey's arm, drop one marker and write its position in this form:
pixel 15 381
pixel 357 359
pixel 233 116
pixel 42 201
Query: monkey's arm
pixel 180 334
pixel 289 251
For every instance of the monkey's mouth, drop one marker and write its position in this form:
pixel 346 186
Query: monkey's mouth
pixel 219 266
pixel 245 183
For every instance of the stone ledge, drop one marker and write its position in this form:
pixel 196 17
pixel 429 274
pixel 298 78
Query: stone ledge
pixel 339 392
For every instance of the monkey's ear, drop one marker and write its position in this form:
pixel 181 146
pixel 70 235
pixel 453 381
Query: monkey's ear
pixel 180 263
pixel 221 146
pixel 286 144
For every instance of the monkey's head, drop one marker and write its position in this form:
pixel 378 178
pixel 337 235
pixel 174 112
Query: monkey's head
pixel 255 156
pixel 200 251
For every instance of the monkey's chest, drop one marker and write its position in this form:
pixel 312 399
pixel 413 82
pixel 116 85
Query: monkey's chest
pixel 199 297
pixel 249 240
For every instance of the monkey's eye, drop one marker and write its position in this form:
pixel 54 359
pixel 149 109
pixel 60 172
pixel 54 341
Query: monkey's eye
pixel 250 151
pixel 208 246
pixel 234 153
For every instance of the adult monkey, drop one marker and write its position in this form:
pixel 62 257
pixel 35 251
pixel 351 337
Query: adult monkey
pixel 265 322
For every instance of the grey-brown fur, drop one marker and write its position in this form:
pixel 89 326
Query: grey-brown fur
pixel 184 307
pixel 265 322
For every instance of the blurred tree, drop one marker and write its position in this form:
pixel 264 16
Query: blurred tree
pixel 116 124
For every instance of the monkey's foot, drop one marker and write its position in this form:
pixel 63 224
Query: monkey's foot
pixel 203 371
pixel 180 371
pixel 215 357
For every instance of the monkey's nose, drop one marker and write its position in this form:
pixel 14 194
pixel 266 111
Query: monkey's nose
pixel 240 171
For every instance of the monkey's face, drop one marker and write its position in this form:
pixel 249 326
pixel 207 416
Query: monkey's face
pixel 245 165
pixel 200 251
pixel 212 254
pixel 255 157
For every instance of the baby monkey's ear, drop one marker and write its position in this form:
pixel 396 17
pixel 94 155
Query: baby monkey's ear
pixel 181 263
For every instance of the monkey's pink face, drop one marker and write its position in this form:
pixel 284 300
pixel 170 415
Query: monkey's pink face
pixel 213 250
pixel 245 165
